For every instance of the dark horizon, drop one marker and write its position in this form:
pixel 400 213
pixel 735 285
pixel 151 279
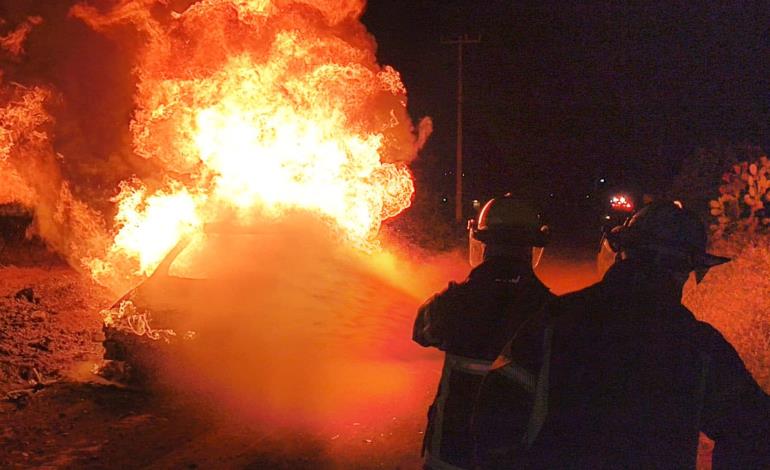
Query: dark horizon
pixel 557 96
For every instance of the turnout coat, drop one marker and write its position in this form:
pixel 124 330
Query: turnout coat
pixel 471 321
pixel 633 379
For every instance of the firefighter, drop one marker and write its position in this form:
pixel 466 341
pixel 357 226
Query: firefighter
pixel 633 377
pixel 471 321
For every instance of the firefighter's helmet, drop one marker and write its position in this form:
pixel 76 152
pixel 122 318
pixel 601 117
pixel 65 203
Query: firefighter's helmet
pixel 506 221
pixel 669 231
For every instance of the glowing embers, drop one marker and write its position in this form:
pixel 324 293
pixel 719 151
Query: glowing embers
pixel 622 202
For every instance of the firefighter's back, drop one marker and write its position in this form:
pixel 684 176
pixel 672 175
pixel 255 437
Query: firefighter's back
pixel 471 322
pixel 635 378
pixel 626 394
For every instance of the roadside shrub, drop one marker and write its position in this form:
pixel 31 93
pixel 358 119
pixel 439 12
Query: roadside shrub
pixel 744 195
pixel 701 173
pixel 735 297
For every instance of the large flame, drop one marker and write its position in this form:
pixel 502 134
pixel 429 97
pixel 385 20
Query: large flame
pixel 256 108
pixel 244 110
pixel 21 118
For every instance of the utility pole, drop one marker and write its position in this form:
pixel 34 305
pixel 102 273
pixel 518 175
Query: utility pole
pixel 460 41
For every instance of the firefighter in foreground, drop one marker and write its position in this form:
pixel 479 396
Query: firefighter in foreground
pixel 631 376
pixel 472 320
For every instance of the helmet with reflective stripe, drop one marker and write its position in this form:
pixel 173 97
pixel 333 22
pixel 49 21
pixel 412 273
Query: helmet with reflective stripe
pixel 506 222
pixel 511 221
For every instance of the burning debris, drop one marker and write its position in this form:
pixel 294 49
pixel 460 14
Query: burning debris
pixel 27 294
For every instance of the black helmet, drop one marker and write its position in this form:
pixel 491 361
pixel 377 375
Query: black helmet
pixel 668 229
pixel 511 221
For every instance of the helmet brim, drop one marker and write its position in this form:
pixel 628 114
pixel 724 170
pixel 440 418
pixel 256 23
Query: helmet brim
pixel 707 260
pixel 517 236
pixel 621 238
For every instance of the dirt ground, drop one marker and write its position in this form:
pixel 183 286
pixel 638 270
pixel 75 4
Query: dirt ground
pixel 87 425
pixel 58 414
pixel 49 324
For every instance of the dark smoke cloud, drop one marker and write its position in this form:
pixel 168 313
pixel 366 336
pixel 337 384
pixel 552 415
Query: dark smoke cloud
pixel 91 77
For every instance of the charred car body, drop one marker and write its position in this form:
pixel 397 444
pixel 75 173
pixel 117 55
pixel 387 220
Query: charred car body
pixel 282 293
pixel 204 293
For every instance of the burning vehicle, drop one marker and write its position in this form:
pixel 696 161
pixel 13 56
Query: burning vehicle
pixel 245 111
pixel 205 289
pixel 271 287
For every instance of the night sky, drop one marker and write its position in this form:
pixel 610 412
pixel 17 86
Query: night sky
pixel 556 96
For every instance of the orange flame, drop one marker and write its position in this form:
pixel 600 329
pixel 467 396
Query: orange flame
pixel 22 117
pixel 245 110
pixel 260 108
pixel 13 42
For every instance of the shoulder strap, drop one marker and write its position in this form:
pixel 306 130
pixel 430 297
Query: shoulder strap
pixel 540 405
pixel 705 362
pixel 505 356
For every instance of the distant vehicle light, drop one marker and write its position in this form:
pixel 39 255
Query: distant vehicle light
pixel 679 204
pixel 621 202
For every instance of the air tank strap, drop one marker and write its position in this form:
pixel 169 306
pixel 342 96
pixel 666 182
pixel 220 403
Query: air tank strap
pixel 467 364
